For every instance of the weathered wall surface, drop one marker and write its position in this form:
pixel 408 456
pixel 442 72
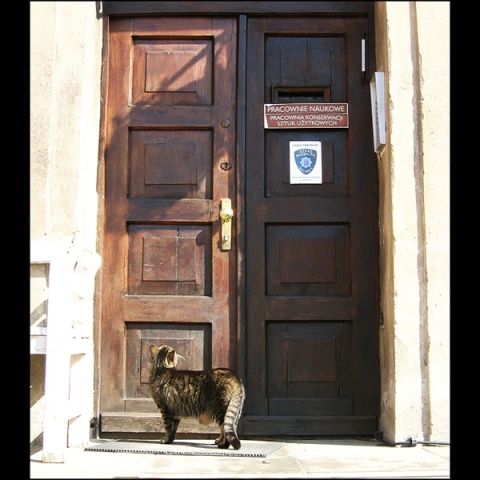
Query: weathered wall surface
pixel 413 50
pixel 65 49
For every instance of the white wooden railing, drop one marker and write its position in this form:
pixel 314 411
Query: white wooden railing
pixel 67 343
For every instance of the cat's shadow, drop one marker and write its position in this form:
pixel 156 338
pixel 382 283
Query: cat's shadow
pixel 182 443
pixel 197 445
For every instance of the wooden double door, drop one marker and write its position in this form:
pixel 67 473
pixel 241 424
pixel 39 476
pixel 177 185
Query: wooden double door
pixel 288 296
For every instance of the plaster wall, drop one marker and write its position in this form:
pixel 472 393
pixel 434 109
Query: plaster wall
pixel 65 61
pixel 434 82
pixel 66 39
pixel 413 50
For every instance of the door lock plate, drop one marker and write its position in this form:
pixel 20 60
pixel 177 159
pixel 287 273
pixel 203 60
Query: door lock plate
pixel 226 214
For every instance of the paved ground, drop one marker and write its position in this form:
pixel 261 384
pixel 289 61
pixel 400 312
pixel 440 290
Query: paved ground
pixel 326 458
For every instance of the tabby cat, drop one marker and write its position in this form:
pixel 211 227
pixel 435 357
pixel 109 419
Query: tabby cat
pixel 209 396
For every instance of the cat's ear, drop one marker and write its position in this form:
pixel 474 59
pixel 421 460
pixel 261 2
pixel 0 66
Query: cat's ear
pixel 171 359
pixel 153 350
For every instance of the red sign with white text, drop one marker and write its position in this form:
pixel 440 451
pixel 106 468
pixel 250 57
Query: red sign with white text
pixel 306 115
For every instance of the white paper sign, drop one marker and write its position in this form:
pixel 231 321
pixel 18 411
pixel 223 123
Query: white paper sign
pixel 305 162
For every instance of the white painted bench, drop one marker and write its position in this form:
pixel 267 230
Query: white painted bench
pixel 67 343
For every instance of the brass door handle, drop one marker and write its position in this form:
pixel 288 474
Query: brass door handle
pixel 226 214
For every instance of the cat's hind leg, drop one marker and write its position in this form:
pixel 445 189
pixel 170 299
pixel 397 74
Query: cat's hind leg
pixel 229 433
pixel 232 439
pixel 222 441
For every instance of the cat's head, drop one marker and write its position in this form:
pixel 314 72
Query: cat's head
pixel 163 356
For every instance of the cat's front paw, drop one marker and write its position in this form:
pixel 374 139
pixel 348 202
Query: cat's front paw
pixel 166 440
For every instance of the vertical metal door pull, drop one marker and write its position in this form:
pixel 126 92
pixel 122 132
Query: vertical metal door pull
pixel 226 214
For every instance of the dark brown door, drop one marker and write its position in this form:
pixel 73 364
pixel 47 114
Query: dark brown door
pixel 166 279
pixel 293 305
pixel 311 339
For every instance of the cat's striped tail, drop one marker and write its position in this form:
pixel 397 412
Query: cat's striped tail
pixel 232 416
